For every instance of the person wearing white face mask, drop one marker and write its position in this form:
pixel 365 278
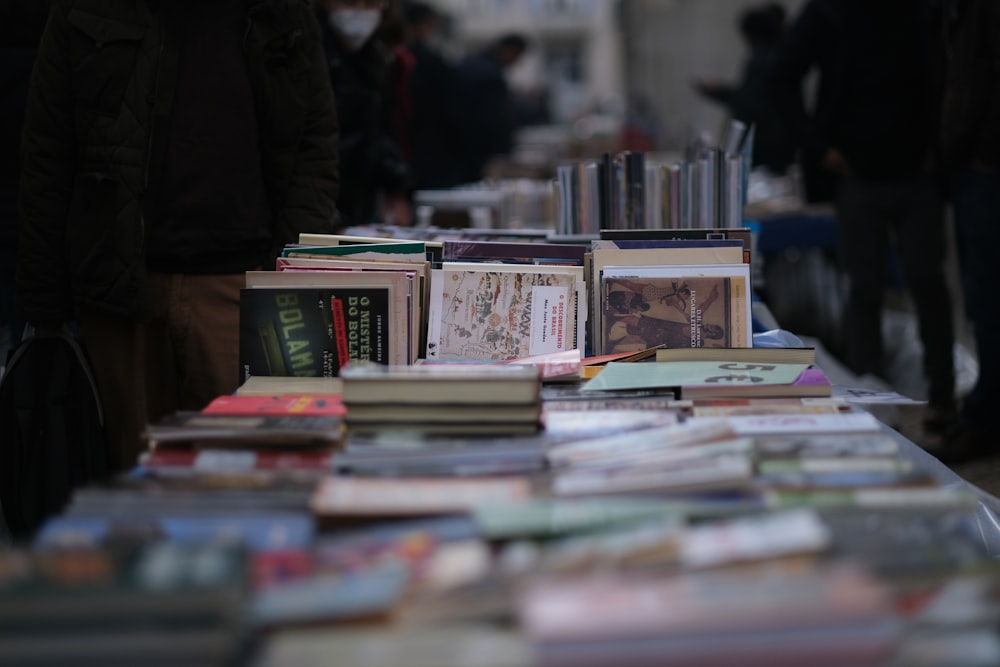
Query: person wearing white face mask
pixel 374 176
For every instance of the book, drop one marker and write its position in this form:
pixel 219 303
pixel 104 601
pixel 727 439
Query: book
pixel 392 250
pixel 277 385
pixel 443 413
pixel 307 331
pixel 498 311
pixel 423 645
pixel 442 384
pixel 246 431
pixel 235 462
pixel 730 407
pixel 260 532
pixel 641 257
pixel 685 375
pixel 675 306
pixel 748 355
pixel 811 382
pixel 404 290
pixel 346 496
pixel 466 250
pixel 277 404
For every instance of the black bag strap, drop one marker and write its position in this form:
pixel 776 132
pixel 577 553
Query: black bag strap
pixel 32 333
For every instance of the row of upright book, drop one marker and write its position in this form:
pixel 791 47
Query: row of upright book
pixel 335 299
pixel 629 190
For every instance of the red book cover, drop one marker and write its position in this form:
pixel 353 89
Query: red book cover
pixel 339 330
pixel 314 405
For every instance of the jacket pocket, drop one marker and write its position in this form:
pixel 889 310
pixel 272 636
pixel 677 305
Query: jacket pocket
pixel 105 55
pixel 90 231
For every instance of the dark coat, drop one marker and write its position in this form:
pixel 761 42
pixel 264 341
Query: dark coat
pixel 436 144
pixel 102 88
pixel 370 160
pixel 971 109
pixel 488 117
pixel 875 100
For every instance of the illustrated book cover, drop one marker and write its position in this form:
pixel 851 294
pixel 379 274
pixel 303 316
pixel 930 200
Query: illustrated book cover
pixel 497 312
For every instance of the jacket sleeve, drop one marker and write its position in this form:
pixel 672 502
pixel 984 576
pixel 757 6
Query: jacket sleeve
pixel 48 157
pixel 310 204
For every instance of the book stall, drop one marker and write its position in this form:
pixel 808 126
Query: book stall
pixel 489 450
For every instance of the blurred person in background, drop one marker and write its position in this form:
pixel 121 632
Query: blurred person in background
pixel 374 178
pixel 436 146
pixel 487 109
pixel 749 100
pixel 21 26
pixel 168 148
pixel 970 150
pixel 872 127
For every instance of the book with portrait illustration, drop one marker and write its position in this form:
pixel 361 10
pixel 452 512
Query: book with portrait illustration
pixel 675 307
pixel 640 259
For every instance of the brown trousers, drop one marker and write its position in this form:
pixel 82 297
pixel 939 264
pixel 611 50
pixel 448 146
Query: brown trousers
pixel 184 357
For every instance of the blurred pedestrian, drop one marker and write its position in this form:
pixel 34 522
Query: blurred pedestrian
pixel 749 100
pixel 873 124
pixel 487 107
pixel 436 148
pixel 971 153
pixel 168 148
pixel 374 179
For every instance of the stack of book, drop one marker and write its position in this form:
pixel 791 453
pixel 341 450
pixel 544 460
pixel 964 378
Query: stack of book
pixel 249 434
pixel 151 604
pixel 463 399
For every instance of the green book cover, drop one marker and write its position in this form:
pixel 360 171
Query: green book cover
pixel 622 376
pixel 415 249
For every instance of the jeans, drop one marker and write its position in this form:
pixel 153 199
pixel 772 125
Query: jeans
pixel 910 215
pixel 976 198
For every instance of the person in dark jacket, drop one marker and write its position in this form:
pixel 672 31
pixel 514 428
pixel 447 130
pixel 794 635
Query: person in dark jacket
pixel 873 125
pixel 749 100
pixel 488 112
pixel 374 179
pixel 21 25
pixel 435 145
pixel 168 148
pixel 970 147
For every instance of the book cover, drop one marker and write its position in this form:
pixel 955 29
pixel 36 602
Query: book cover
pixel 639 258
pixel 484 312
pixel 290 331
pixel 680 374
pixel 710 303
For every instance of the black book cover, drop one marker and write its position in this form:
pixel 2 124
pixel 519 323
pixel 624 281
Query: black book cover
pixel 310 331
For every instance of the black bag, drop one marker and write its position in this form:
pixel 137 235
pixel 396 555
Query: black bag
pixel 51 429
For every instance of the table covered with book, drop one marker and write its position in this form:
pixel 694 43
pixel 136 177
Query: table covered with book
pixel 538 508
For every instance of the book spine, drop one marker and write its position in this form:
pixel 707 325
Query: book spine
pixel 339 332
